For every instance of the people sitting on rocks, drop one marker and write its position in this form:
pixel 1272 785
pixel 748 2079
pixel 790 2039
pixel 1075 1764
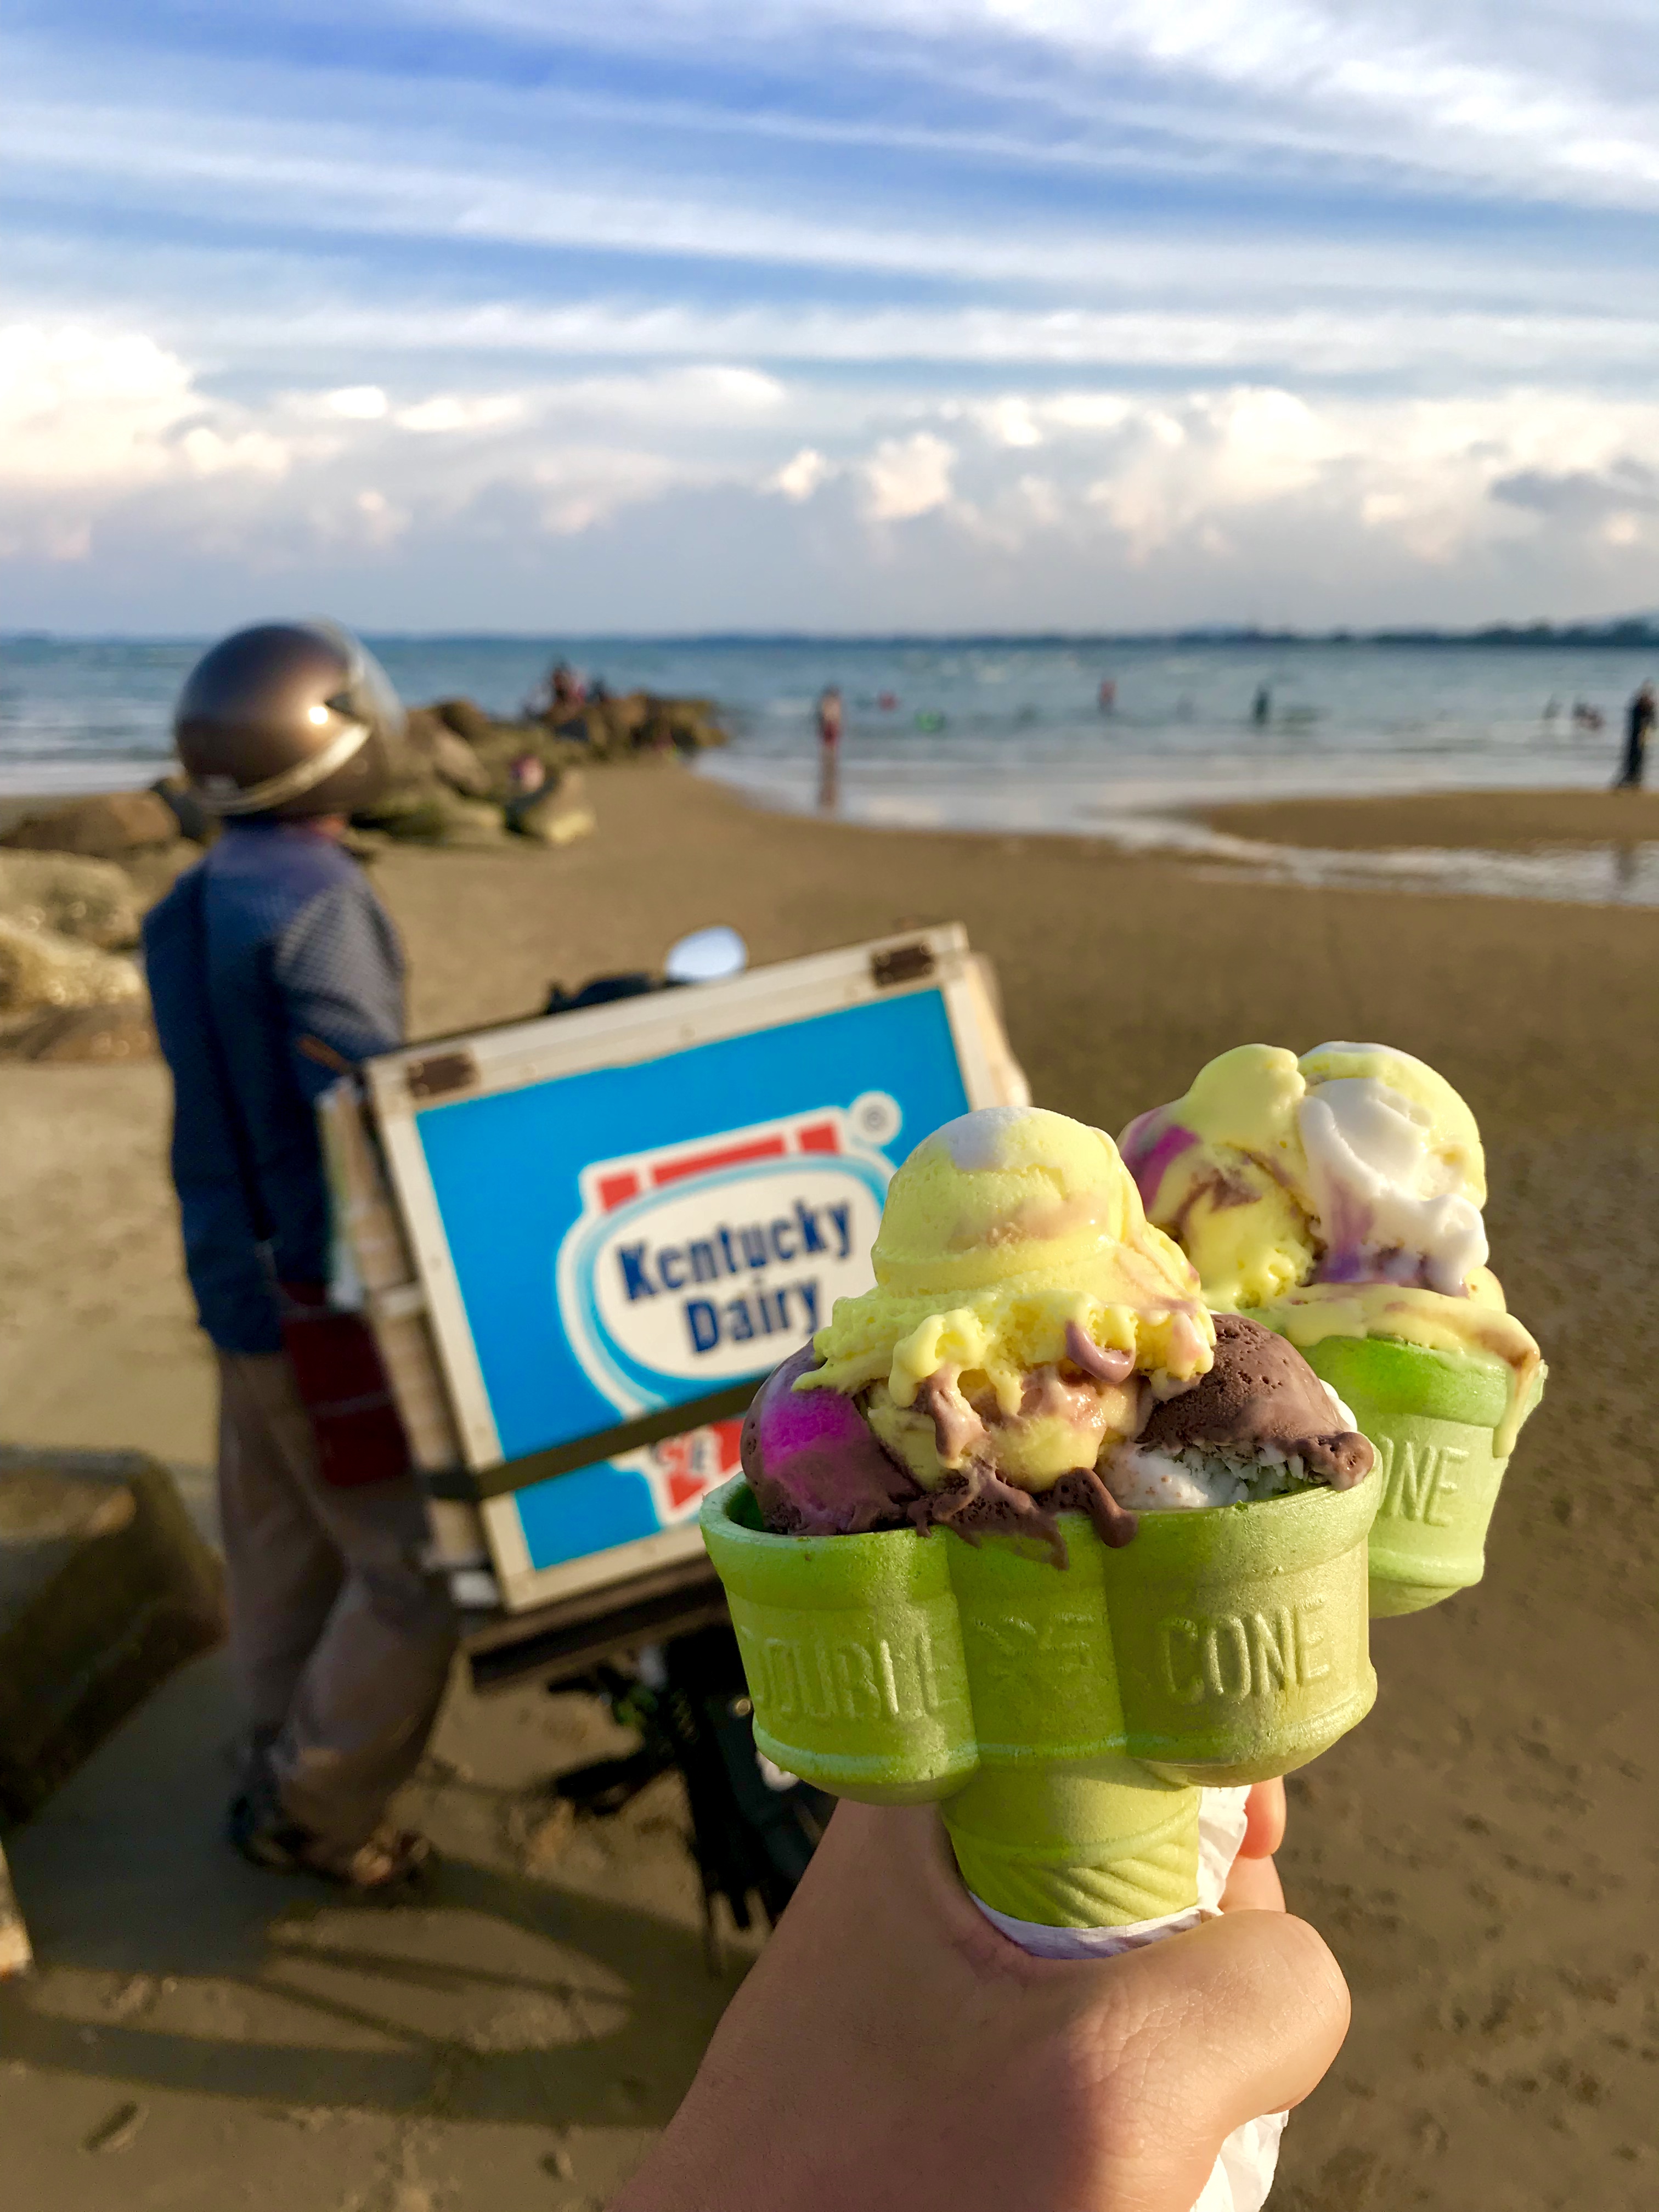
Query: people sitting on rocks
pixel 562 692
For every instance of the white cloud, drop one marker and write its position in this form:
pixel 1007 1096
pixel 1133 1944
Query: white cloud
pixel 268 170
pixel 357 403
pixel 582 486
pixel 801 475
pixel 908 477
pixel 381 523
pixel 90 418
pixel 97 428
pixel 1010 421
pixel 447 412
pixel 214 452
pixel 1361 349
pixel 1524 95
pixel 81 407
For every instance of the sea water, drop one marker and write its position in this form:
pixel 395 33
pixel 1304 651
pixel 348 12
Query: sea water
pixel 995 734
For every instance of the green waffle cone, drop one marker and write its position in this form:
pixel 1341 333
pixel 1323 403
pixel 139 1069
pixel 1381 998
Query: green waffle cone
pixel 852 1650
pixel 1066 1716
pixel 1432 1416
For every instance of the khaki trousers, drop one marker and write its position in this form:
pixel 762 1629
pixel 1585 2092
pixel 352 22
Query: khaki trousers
pixel 341 1644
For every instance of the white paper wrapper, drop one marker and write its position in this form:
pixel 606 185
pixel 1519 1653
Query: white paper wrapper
pixel 1243 2173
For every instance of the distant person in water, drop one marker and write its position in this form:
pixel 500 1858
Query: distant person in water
pixel 828 721
pixel 1108 696
pixel 1638 728
pixel 1262 707
pixel 1586 717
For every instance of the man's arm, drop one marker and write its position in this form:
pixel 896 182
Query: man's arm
pixel 339 967
pixel 221 1235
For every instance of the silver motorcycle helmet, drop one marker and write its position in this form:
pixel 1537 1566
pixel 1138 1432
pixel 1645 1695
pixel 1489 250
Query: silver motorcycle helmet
pixel 288 721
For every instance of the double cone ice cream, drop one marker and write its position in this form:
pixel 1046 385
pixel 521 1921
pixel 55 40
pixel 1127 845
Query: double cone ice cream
pixel 1034 1344
pixel 1336 1199
pixel 1161 1580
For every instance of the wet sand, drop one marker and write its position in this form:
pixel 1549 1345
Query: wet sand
pixel 1469 821
pixel 1478 1854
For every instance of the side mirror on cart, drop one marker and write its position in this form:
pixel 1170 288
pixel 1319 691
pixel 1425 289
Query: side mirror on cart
pixel 708 956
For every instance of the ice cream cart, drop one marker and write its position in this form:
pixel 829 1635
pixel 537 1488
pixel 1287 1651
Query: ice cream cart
pixel 582 1239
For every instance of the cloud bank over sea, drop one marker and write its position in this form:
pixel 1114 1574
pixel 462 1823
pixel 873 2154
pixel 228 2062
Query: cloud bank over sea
pixel 829 313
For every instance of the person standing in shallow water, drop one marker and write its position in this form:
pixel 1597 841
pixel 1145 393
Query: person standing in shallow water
pixel 828 721
pixel 1638 728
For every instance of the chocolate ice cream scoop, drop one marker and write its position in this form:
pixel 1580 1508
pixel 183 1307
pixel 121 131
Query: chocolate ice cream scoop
pixel 1259 1392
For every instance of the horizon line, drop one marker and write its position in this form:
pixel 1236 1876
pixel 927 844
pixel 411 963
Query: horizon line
pixel 1636 630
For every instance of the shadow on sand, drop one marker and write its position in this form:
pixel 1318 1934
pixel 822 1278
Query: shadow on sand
pixel 165 1963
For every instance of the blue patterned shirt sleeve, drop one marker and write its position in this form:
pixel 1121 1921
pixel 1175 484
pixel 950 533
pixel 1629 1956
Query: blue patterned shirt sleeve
pixel 270 966
pixel 338 968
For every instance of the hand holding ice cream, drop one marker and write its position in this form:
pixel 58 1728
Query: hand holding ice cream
pixel 1036 1360
pixel 889 2051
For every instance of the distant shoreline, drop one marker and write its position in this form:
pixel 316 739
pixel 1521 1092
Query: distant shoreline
pixel 1634 632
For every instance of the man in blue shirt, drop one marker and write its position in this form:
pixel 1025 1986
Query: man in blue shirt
pixel 273 967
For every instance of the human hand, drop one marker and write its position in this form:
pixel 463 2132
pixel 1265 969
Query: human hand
pixel 892 2052
pixel 1253 1885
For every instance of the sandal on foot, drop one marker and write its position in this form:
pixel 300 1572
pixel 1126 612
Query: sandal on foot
pixel 389 1858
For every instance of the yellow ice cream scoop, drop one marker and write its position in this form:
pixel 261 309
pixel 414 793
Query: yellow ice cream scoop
pixel 1337 1194
pixel 1014 1239
pixel 1336 1198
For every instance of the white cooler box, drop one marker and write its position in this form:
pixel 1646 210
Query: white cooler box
pixel 583 1240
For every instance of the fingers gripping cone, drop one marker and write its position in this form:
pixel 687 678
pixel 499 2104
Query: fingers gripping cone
pixel 1065 1721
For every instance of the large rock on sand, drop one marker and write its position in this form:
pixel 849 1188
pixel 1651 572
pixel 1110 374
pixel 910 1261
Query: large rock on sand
pixel 63 1036
pixel 38 968
pixel 432 814
pixel 106 1588
pixel 93 901
pixel 466 718
pixel 557 816
pixel 438 750
pixel 103 828
pixel 473 821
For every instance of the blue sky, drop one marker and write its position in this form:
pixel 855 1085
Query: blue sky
pixel 828 313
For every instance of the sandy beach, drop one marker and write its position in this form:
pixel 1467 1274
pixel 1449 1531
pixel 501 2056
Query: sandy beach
pixel 1479 1854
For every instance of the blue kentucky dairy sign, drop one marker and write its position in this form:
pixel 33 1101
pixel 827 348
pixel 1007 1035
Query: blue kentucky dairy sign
pixel 703 1263
pixel 622 1213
